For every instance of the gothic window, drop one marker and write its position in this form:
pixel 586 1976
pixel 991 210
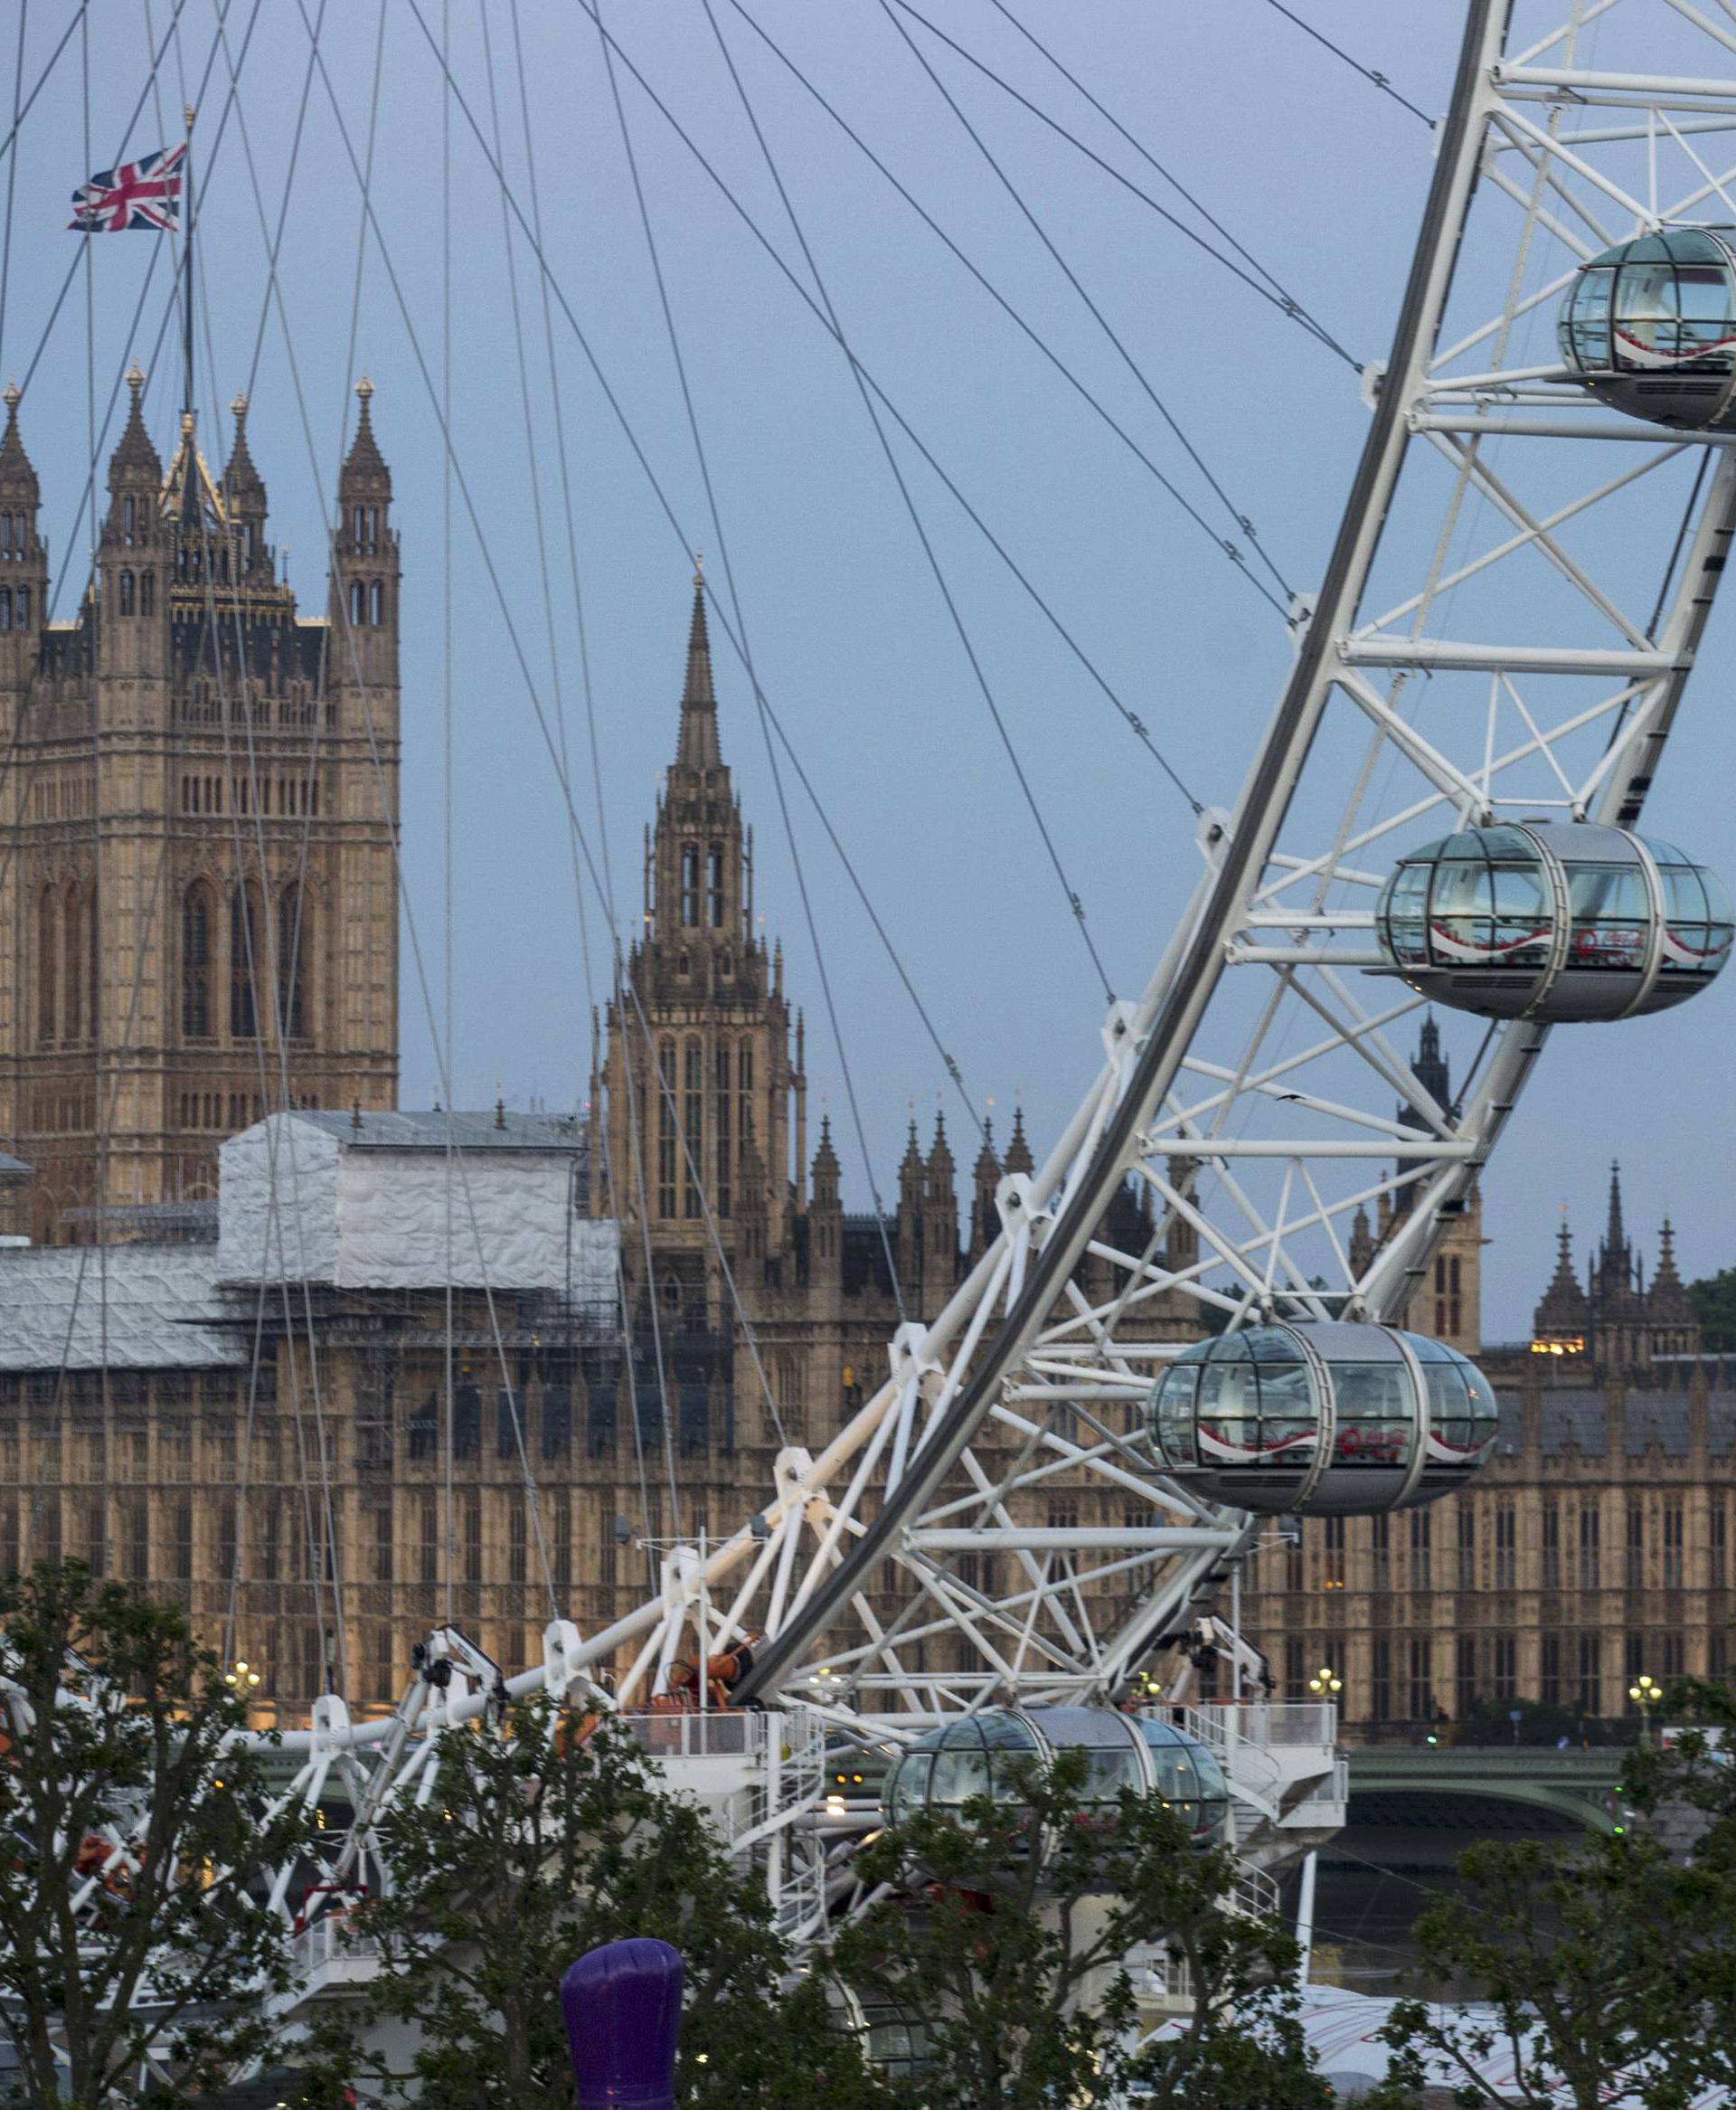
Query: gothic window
pixel 1506 1547
pixel 744 1100
pixel 358 603
pixel 666 1130
pixel 690 885
pixel 1592 1674
pixel 374 527
pixel 376 603
pixel 1467 1548
pixel 48 955
pixel 1421 1535
pixel 714 887
pixel 295 949
pixel 721 1122
pixel 73 924
pixel 424 1425
pixel 1422 1694
pixel 692 1120
pixel 557 1421
pixel 128 595
pixel 128 519
pixel 146 596
pixel 1463 1675
pixel 358 522
pixel 5 532
pixel 467 1422
pixel 244 940
pixel 1589 1552
pixel 5 608
pixel 684 964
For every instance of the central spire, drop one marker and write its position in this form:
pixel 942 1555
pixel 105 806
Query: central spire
pixel 698 748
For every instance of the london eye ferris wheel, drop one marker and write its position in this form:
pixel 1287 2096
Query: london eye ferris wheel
pixel 1444 808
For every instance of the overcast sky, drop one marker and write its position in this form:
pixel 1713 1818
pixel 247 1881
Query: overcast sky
pixel 1311 169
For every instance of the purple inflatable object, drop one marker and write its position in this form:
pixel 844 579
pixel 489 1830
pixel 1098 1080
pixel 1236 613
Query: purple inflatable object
pixel 622 2003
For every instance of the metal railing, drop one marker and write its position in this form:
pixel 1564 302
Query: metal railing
pixel 1295 1723
pixel 331 1941
pixel 717 1733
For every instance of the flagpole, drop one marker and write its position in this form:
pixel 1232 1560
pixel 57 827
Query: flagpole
pixel 186 265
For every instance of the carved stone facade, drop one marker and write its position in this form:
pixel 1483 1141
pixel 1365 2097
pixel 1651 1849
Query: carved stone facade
pixel 773 1305
pixel 1615 1325
pixel 1597 1545
pixel 198 907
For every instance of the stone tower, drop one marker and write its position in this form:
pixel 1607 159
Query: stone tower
pixel 1447 1303
pixel 700 1091
pixel 198 920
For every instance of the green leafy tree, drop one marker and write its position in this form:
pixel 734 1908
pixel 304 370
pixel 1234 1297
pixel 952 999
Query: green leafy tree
pixel 1713 1298
pixel 544 1837
pixel 1686 1785
pixel 1563 1954
pixel 130 1827
pixel 1009 1938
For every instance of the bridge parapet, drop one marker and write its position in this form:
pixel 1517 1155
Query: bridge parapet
pixel 1578 1784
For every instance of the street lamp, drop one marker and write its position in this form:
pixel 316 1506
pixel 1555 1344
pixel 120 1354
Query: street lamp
pixel 241 1679
pixel 1325 1683
pixel 1644 1693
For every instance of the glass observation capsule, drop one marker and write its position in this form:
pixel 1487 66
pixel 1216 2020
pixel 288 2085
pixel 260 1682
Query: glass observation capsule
pixel 979 1754
pixel 1558 921
pixel 1335 1419
pixel 1649 327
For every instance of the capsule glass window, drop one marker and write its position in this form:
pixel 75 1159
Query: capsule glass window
pixel 1697 920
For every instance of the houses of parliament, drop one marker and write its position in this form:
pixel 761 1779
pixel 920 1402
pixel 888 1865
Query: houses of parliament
pixel 198 928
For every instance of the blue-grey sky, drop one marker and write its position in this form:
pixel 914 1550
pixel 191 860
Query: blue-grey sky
pixel 1315 171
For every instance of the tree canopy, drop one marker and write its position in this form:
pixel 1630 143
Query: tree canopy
pixel 1713 1298
pixel 544 1834
pixel 132 1938
pixel 1011 1932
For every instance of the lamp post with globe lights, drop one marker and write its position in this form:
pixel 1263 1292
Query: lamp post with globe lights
pixel 1645 1692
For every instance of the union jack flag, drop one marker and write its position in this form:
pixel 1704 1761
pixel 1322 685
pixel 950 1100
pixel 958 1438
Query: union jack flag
pixel 138 193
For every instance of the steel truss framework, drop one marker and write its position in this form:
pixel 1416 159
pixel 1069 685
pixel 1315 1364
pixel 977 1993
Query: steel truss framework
pixel 1476 649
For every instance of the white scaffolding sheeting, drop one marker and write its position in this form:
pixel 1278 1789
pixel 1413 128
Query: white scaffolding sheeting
pixel 127 1306
pixel 373 1202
